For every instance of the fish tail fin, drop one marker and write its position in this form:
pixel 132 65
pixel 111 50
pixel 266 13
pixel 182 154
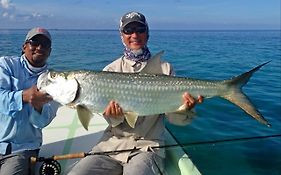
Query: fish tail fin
pixel 237 97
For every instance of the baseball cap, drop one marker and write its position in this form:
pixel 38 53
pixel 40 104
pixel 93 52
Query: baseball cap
pixel 132 17
pixel 38 31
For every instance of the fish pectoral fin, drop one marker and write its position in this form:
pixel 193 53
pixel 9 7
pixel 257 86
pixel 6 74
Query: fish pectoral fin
pixel 131 118
pixel 84 115
pixel 184 111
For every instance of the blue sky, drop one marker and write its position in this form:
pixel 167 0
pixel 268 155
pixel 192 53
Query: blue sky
pixel 161 14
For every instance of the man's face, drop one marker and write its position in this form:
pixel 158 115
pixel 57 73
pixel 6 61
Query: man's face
pixel 134 35
pixel 37 50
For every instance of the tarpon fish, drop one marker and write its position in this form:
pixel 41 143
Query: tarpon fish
pixel 140 94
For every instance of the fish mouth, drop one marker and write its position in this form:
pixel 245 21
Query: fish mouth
pixel 45 79
pixel 42 80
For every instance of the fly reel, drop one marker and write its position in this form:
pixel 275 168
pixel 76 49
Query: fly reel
pixel 50 167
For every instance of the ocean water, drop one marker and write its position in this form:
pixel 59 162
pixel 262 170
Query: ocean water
pixel 204 55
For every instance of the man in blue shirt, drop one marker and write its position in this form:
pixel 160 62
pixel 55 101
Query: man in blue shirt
pixel 24 111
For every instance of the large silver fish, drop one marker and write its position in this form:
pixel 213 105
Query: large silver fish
pixel 139 94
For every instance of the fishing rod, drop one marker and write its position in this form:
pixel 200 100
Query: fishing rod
pixel 51 165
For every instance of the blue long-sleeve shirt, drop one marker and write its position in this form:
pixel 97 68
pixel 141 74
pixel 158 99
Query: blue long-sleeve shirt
pixel 20 123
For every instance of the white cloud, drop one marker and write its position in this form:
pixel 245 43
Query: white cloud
pixel 7 9
pixel 36 15
pixel 5 4
pixel 10 11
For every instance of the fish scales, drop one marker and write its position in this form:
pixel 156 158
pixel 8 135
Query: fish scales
pixel 144 94
pixel 140 94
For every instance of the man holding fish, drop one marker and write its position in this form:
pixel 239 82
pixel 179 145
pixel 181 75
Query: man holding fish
pixel 143 132
pixel 24 110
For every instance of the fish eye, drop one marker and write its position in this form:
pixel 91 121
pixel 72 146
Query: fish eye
pixel 53 75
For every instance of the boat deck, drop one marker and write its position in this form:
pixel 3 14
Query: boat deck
pixel 66 135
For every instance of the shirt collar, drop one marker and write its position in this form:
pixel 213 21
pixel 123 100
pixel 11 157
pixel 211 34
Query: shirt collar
pixel 31 69
pixel 137 65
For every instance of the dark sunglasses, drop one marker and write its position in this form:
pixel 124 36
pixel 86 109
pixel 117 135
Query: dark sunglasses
pixel 35 43
pixel 131 30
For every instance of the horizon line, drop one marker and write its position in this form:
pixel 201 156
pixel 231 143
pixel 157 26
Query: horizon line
pixel 149 29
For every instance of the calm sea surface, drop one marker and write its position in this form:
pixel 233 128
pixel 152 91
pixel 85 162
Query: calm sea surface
pixel 198 54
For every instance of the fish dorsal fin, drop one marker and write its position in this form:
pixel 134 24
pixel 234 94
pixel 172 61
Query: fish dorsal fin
pixel 84 115
pixel 153 65
pixel 131 118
